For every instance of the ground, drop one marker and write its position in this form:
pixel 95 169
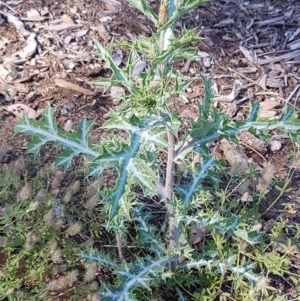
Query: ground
pixel 250 50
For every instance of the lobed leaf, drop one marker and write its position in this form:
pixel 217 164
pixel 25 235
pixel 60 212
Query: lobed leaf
pixel 179 8
pixel 240 271
pixel 143 273
pixel 187 192
pixel 45 130
pixel 118 76
pixel 148 234
pixel 144 7
pixel 100 258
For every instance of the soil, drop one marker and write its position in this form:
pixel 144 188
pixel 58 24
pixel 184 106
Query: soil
pixel 251 45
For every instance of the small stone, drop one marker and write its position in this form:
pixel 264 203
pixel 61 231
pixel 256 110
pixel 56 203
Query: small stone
pixel 117 94
pixel 68 126
pixel 105 19
pixel 81 33
pixel 139 67
pixel 103 33
pixel 118 58
pixel 275 145
pixel 44 12
pixel 206 62
pixel 71 65
pixel 193 71
pixel 31 96
pixel 33 13
pixel 67 39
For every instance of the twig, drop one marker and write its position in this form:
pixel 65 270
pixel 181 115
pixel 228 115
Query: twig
pixel 253 149
pixel 284 57
pixel 282 190
pixel 69 86
pixel 6 5
pixel 293 92
pixel 119 246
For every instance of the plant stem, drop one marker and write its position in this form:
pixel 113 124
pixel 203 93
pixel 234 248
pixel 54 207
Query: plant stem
pixel 173 229
pixel 119 246
pixel 169 185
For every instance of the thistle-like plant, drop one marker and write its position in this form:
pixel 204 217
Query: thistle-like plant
pixel 153 128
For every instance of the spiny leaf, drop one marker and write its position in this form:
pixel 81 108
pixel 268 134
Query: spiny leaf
pixel 180 295
pixel 254 108
pixel 178 9
pixel 45 130
pixel 100 258
pixel 143 273
pixel 197 264
pixel 118 76
pixel 148 234
pixel 252 237
pixel 144 7
pixel 143 173
pixel 188 191
pixel 288 122
pixel 120 160
pixel 205 109
pixel 173 46
pixel 154 138
pixel 240 271
pixel 129 169
pixel 215 221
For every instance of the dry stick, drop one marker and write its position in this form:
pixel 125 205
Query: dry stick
pixel 293 92
pixel 119 246
pixel 266 91
pixel 9 7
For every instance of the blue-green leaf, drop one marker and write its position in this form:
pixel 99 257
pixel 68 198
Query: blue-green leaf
pixel 45 130
pixel 143 273
pixel 188 191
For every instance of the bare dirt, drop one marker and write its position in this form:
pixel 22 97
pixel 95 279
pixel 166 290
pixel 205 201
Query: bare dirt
pixel 250 50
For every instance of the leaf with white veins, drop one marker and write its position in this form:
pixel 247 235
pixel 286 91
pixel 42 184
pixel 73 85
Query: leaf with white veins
pixel 45 130
pixel 140 274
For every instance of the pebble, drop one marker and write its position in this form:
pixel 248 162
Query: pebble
pixel 81 33
pixel 117 93
pixel 105 19
pixel 68 39
pixel 275 145
pixel 68 126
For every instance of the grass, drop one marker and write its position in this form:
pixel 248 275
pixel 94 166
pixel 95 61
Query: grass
pixel 40 247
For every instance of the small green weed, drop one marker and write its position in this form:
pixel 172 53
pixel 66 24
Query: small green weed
pixel 39 239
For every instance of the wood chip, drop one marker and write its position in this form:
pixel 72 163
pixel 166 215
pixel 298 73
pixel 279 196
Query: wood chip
pixel 284 57
pixel 231 97
pixel 225 23
pixel 30 48
pixel 274 21
pixel 69 86
pixel 18 109
pixel 268 108
pixel 249 55
pixel 252 141
pixel 235 157
pixel 62 27
pixel 103 33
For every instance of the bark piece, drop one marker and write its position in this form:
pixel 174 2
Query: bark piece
pixel 69 86
pixel 255 143
pixel 235 157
